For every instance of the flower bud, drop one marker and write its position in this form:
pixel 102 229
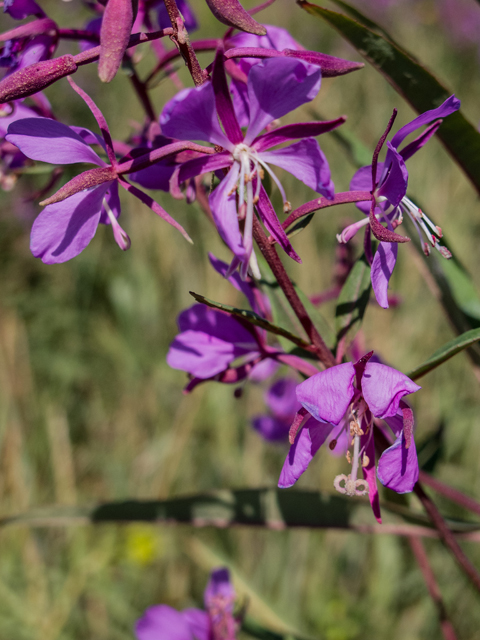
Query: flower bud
pixel 114 36
pixel 85 180
pixel 231 13
pixel 32 79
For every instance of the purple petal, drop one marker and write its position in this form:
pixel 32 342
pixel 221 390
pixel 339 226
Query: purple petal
pixel 410 149
pixel 281 398
pixel 398 466
pixel 276 38
pixel 383 387
pixel 50 141
pixel 307 162
pixel 223 100
pixel 219 586
pixel 19 112
pixel 362 181
pixel 327 394
pixel 155 177
pixel 239 91
pixel 306 445
pixel 271 428
pixel 272 223
pixel 277 86
pixel 234 279
pixel 20 9
pixel 191 115
pixel 209 341
pixel 197 166
pixel 223 203
pixel 199 623
pixel 394 187
pixel 163 623
pixel 294 132
pixel 450 105
pixel 370 476
pixel 382 269
pixel 263 370
pixel 64 229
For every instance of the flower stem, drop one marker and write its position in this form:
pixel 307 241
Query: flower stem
pixel 420 554
pixel 319 347
pixel 182 41
pixel 323 203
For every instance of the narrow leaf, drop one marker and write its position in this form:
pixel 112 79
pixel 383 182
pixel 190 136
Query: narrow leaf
pixel 445 353
pixel 411 80
pixel 353 300
pixel 252 318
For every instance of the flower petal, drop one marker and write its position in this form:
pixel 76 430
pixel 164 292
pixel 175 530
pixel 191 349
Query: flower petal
pixel 19 112
pixel 191 115
pixel 271 428
pixel 383 387
pixel 294 132
pixel 224 209
pixel 277 86
pixel 450 105
pixel 307 162
pixel 163 623
pixel 398 466
pixel 382 269
pixel 209 341
pixel 219 585
pixel 306 445
pixel 327 394
pixel 63 230
pixel 47 140
pixel 362 181
pixel 199 623
pixel 394 186
pixel 272 223
pixel 281 398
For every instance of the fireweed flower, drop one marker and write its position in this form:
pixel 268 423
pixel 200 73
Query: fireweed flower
pixel 69 221
pixel 217 622
pixel 275 87
pixel 356 394
pixel 210 341
pixel 391 202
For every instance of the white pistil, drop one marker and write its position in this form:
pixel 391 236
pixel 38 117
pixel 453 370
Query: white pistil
pixel 121 237
pixel 423 222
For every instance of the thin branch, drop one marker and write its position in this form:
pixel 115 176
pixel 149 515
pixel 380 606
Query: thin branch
pixel 269 253
pixel 449 492
pixel 418 549
pixel 323 203
pixel 182 41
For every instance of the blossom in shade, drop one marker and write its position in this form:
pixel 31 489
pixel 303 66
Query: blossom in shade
pixel 355 394
pixel 275 87
pixel 217 622
pixel 282 403
pixel 390 202
pixel 69 221
pixel 20 9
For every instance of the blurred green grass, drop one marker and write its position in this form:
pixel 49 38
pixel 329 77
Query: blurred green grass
pixel 89 410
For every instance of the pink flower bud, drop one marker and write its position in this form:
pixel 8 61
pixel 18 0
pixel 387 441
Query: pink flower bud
pixel 231 13
pixel 25 82
pixel 85 180
pixel 114 36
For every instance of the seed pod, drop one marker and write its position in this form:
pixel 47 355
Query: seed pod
pixel 231 13
pixel 114 36
pixel 25 82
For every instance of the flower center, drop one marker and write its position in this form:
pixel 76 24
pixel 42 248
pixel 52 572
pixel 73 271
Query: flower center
pixel 359 424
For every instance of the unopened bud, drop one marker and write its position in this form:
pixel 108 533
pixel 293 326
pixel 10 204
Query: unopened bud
pixel 114 36
pixel 32 79
pixel 231 13
pixel 86 180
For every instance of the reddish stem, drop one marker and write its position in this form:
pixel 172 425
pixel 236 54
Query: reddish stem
pixel 421 556
pixel 323 203
pixel 319 347
pixel 182 41
pixel 199 45
pixel 449 492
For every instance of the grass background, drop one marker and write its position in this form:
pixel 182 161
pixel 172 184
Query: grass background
pixel 89 410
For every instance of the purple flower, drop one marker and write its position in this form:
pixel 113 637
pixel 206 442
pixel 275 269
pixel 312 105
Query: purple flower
pixel 210 341
pixel 275 87
pixel 185 10
pixel 390 202
pixel 355 394
pixel 162 622
pixel 20 9
pixel 69 221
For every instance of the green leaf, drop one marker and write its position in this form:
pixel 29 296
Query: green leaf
pixel 252 318
pixel 411 80
pixel 445 353
pixel 274 509
pixel 353 300
pixel 255 630
pixel 317 318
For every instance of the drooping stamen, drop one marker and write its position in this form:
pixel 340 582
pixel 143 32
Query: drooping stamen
pixel 423 222
pixel 121 237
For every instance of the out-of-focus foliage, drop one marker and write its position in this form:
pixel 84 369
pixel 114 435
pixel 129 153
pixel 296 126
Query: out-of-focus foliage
pixel 90 412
